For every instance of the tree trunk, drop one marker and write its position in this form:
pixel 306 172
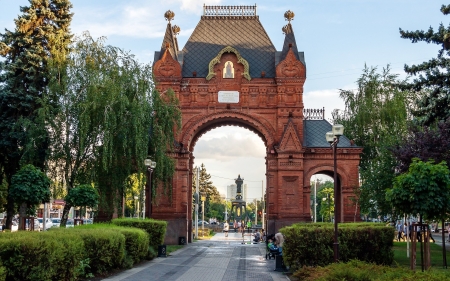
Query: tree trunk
pixel 10 212
pixel 444 251
pixel 65 215
pixel 22 214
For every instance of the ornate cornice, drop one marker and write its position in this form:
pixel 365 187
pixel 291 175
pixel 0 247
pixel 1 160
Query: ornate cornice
pixel 216 60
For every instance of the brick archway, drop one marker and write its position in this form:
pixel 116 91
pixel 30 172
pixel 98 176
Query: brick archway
pixel 206 122
pixel 229 73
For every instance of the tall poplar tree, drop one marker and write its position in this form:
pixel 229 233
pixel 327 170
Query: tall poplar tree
pixel 42 32
pixel 433 76
pixel 376 118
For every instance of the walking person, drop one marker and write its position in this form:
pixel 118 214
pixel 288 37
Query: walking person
pixel 226 227
pixel 239 224
pixel 399 230
pixel 448 231
pixel 235 226
pixel 249 226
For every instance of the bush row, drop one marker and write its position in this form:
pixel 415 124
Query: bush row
pixel 155 229
pixel 361 271
pixel 309 244
pixel 73 253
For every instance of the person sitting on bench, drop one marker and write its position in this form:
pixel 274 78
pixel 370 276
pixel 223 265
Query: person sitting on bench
pixel 257 237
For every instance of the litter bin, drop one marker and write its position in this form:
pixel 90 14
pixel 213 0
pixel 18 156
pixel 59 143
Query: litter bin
pixel 181 240
pixel 162 251
pixel 279 263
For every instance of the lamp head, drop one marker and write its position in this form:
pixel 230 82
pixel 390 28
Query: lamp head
pixel 329 136
pixel 338 130
pixel 149 163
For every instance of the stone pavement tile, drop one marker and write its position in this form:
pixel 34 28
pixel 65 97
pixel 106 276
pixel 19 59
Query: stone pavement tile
pixel 206 260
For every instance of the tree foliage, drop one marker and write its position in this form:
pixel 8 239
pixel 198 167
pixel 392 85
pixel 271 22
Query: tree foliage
pixel 424 190
pixel 112 118
pixel 41 32
pixel 424 143
pixel 83 195
pixel 31 187
pixel 376 118
pixel 433 76
pixel 206 186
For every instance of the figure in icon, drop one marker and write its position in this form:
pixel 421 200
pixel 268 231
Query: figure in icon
pixel 229 70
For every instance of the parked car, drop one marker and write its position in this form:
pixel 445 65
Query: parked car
pixel 200 222
pixel 48 223
pixel 56 222
pixel 69 223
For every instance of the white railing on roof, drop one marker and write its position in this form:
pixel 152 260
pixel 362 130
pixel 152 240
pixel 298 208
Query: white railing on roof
pixel 242 11
pixel 314 114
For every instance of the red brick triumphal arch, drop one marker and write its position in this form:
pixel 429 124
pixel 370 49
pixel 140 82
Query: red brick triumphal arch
pixel 229 73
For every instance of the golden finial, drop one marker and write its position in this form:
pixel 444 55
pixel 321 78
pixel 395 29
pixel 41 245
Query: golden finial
pixel 285 29
pixel 289 15
pixel 176 29
pixel 169 15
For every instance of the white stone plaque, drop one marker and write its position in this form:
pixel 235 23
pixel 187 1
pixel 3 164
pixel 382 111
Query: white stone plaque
pixel 228 97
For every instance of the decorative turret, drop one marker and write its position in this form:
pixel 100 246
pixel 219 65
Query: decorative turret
pixel 289 39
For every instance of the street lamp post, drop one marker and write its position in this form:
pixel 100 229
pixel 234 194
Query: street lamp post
pixel 203 198
pixel 151 165
pixel 333 139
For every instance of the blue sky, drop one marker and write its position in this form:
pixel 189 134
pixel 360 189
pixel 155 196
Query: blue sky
pixel 338 38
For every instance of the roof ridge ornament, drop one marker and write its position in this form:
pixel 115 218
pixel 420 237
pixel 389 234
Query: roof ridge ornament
pixel 289 15
pixel 176 29
pixel 169 15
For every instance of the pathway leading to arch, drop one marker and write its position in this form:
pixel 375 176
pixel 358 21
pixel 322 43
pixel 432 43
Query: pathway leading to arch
pixel 220 258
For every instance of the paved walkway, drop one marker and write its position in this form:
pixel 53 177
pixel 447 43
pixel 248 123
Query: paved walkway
pixel 221 258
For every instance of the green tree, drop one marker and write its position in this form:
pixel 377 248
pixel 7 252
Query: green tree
pixel 376 118
pixel 325 201
pixel 205 185
pixel 82 196
pixel 433 76
pixel 29 188
pixel 42 32
pixel 424 190
pixel 111 116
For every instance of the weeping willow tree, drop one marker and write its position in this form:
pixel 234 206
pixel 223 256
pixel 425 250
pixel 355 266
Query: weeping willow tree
pixel 376 118
pixel 109 114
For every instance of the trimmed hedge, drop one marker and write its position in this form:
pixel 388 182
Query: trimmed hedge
pixel 308 244
pixel 156 229
pixel 136 240
pixel 40 256
pixel 360 271
pixel 70 253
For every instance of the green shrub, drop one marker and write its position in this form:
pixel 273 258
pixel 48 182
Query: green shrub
pixel 361 271
pixel 312 244
pixel 105 248
pixel 40 256
pixel 156 229
pixel 136 240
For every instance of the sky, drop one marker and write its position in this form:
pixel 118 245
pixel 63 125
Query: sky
pixel 338 38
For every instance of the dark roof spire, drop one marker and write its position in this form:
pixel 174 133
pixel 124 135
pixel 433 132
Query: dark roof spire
pixel 289 39
pixel 170 41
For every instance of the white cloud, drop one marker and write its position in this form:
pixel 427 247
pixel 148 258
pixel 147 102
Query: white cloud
pixel 196 6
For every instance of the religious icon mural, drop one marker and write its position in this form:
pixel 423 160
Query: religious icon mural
pixel 228 70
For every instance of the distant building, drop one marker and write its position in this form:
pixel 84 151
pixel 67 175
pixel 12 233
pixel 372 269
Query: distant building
pixel 232 190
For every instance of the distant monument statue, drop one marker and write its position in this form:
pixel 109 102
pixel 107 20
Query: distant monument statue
pixel 238 205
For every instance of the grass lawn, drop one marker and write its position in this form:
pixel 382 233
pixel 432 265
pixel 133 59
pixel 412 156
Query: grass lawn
pixel 173 248
pixel 435 251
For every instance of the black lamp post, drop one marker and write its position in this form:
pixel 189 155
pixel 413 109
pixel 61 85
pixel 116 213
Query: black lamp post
pixel 333 138
pixel 148 187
